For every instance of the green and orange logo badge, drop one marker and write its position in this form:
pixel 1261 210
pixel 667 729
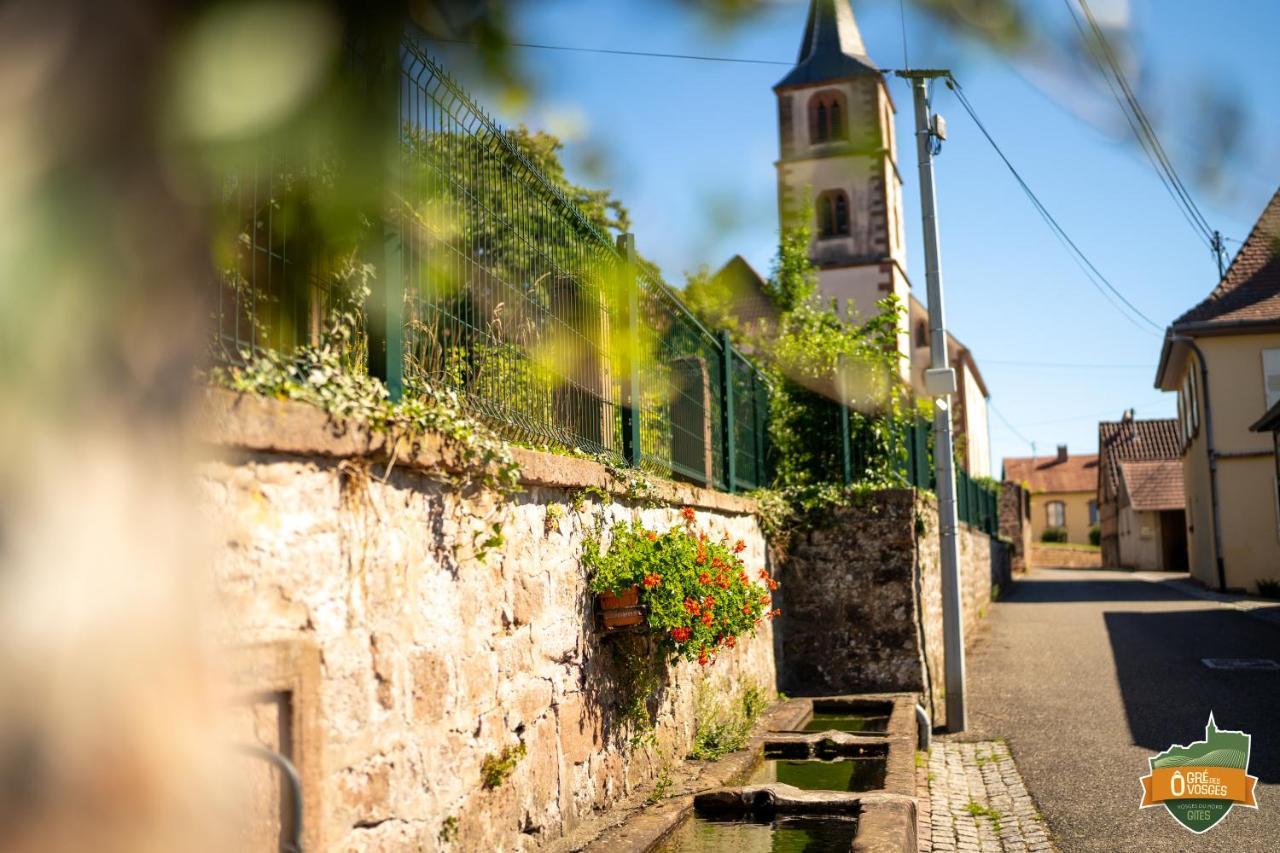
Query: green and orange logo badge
pixel 1199 783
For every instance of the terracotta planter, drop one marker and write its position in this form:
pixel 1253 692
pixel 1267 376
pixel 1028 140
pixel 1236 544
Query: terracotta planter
pixel 617 612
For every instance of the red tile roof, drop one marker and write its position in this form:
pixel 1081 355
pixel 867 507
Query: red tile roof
pixel 1134 439
pixel 1046 474
pixel 1153 484
pixel 1250 291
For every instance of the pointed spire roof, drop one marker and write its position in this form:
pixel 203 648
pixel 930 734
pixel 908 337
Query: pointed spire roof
pixel 832 48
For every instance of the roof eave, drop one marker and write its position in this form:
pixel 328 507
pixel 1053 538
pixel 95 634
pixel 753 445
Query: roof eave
pixel 867 71
pixel 1270 422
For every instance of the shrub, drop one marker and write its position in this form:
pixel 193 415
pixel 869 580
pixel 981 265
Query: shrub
pixel 497 767
pixel 696 591
pixel 1269 588
pixel 1054 534
pixel 723 727
pixel 1095 535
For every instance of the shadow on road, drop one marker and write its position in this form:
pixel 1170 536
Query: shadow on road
pixel 1050 590
pixel 1168 693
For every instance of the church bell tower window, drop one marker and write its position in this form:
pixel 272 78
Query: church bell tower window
pixel 827 117
pixel 833 214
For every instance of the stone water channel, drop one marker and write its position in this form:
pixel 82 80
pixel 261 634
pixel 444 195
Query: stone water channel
pixel 831 774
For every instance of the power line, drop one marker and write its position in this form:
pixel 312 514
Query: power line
pixel 1096 278
pixel 902 16
pixel 612 52
pixel 1011 427
pixel 1071 364
pixel 1145 132
pixel 1084 417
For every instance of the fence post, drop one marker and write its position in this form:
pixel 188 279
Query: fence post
pixel 727 413
pixel 385 357
pixel 631 381
pixel 757 433
pixel 846 441
pixel 923 468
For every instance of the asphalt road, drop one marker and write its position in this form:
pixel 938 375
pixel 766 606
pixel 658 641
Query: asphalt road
pixel 1089 673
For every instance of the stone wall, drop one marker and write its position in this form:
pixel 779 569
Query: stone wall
pixel 410 628
pixel 1046 556
pixel 1015 522
pixel 862 598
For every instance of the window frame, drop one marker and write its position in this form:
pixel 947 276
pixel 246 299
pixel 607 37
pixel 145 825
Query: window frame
pixel 827 211
pixel 828 117
pixel 1049 507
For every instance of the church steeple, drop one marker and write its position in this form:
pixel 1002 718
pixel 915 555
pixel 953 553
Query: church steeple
pixel 837 166
pixel 832 48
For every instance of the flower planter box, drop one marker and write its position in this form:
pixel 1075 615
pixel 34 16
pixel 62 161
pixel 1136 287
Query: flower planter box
pixel 619 612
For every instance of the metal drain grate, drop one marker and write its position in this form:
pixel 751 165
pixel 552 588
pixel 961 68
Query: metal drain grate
pixel 1240 663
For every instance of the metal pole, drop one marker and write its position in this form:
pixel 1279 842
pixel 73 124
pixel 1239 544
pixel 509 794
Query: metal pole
pixel 631 450
pixel 727 413
pixel 941 382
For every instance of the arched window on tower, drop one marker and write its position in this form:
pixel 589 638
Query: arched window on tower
pixel 827 117
pixel 833 214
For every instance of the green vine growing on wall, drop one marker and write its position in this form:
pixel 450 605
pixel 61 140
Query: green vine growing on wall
pixel 317 375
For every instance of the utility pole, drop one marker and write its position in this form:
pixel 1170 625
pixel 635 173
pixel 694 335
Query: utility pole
pixel 940 381
pixel 1219 251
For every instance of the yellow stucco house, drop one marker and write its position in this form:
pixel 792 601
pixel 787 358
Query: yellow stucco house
pixel 1222 357
pixel 1064 492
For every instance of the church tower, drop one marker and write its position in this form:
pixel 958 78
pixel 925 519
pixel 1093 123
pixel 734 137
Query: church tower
pixel 838 159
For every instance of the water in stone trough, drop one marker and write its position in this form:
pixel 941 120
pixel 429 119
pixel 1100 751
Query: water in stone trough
pixel 846 774
pixel 799 834
pixel 848 723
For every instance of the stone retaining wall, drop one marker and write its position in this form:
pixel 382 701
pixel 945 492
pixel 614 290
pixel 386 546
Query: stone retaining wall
pixel 1043 556
pixel 862 599
pixel 410 628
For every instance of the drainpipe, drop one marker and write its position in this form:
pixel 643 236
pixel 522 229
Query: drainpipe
pixel 1212 455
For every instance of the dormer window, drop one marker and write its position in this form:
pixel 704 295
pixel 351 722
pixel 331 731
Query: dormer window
pixel 827 117
pixel 833 214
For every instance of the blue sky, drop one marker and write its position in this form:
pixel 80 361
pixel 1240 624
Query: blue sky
pixel 689 147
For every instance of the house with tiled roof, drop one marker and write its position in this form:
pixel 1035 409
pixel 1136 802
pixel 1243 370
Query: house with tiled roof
pixel 1063 492
pixel 1141 515
pixel 1222 357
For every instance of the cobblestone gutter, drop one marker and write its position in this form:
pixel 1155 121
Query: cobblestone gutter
pixel 976 802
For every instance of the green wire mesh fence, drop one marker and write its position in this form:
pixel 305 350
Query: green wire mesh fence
pixel 503 290
pixel 545 327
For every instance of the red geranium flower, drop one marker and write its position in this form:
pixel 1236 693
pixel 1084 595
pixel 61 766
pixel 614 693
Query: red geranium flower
pixel 739 546
pixel 709 602
pixel 746 610
pixel 708 618
pixel 691 607
pixel 650 581
pixel 653 537
pixel 703 658
pixel 704 578
pixel 730 641
pixel 680 634
pixel 687 512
